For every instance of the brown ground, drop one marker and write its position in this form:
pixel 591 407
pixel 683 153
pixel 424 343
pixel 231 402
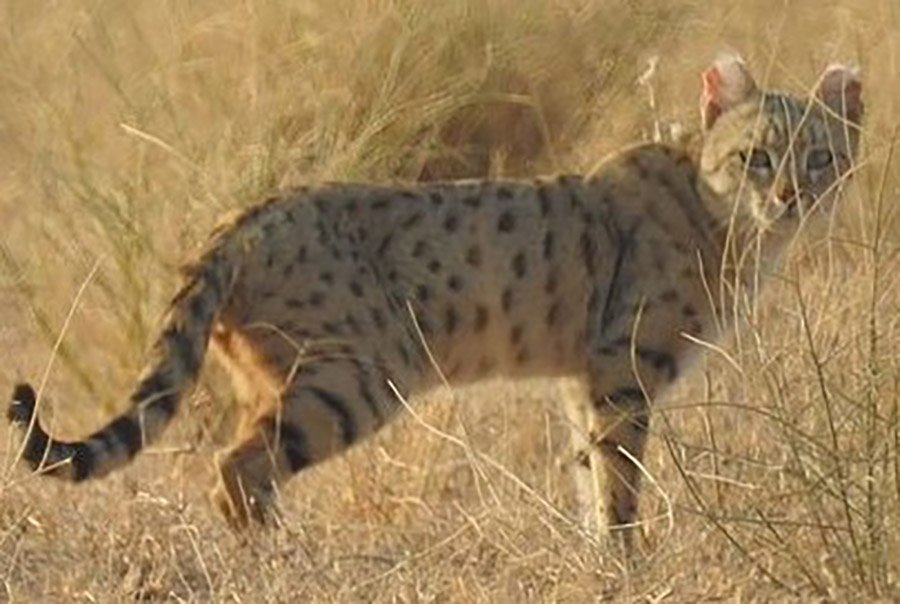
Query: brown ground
pixel 126 129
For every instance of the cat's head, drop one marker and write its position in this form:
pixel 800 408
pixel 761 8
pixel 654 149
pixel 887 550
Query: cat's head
pixel 779 158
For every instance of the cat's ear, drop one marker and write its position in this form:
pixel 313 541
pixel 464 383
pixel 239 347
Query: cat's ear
pixel 726 83
pixel 841 91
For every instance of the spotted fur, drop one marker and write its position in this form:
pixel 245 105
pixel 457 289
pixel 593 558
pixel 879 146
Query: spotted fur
pixel 326 303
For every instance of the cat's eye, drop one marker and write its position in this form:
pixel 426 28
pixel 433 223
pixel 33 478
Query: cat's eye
pixel 819 159
pixel 756 159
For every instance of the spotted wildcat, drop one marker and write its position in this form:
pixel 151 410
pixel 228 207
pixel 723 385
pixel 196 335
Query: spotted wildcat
pixel 327 304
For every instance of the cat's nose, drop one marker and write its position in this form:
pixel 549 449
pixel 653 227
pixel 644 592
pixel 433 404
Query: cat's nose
pixel 787 195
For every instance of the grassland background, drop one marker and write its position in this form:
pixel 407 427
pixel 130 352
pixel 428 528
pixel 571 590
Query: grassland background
pixel 127 129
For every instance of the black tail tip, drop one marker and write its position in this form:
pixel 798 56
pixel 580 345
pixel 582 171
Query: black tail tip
pixel 22 405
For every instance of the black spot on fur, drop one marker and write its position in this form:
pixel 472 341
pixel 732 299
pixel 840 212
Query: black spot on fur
pixel 504 193
pixel 331 328
pixel 544 202
pixel 385 243
pixel 419 248
pixel 670 295
pixel 326 277
pixel 548 245
pixel 316 299
pixel 422 293
pixel 436 198
pixel 473 256
pixel 506 299
pixel 434 266
pixel 472 201
pixel 411 220
pixel 588 253
pixel 451 223
pixel 451 320
pixel 660 360
pixel 455 283
pixel 583 459
pixel 552 314
pixel 506 223
pixel 378 318
pixel 564 180
pixel 482 316
pixel 356 289
pixel 519 265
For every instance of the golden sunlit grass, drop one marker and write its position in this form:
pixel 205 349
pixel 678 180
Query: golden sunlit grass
pixel 128 129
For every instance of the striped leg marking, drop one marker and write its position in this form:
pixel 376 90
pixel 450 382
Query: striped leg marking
pixel 329 407
pixel 622 420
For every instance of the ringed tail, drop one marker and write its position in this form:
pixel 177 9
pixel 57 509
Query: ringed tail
pixel 175 361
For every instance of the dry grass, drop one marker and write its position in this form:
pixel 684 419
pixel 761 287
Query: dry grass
pixel 126 129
